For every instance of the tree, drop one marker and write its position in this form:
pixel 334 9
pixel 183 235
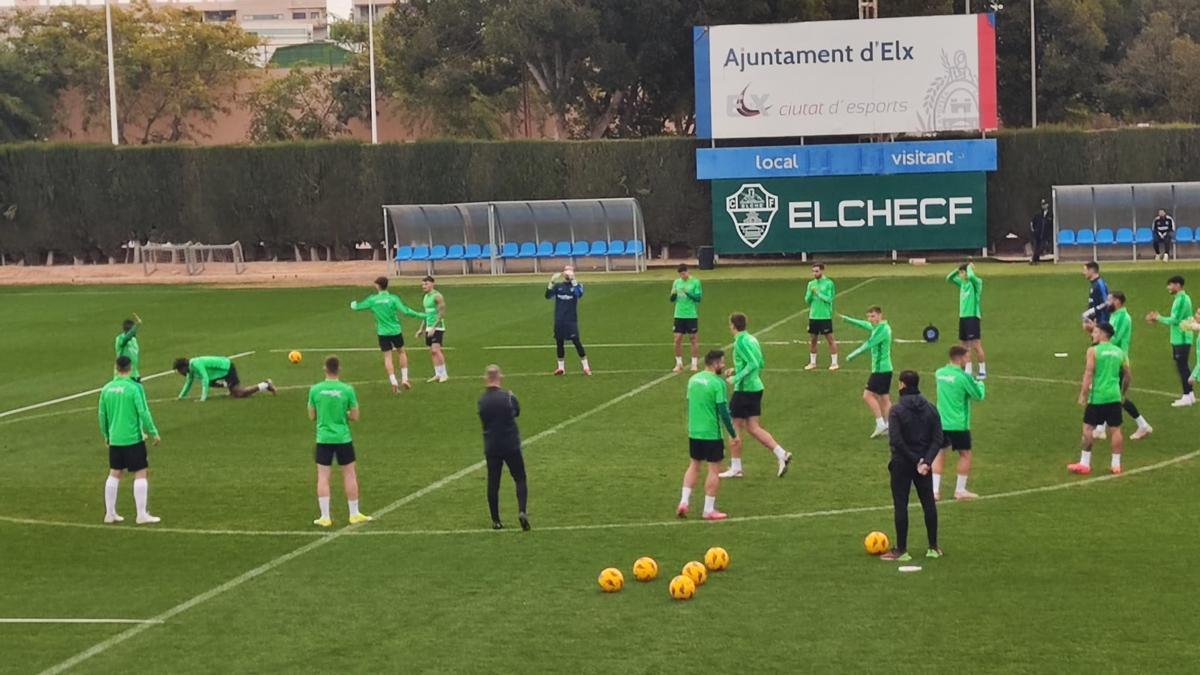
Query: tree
pixel 306 104
pixel 26 107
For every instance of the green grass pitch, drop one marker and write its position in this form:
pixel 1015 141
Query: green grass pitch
pixel 1051 573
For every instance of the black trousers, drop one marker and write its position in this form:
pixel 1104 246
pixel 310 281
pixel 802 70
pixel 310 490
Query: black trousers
pixel 516 468
pixel 1180 354
pixel 560 343
pixel 1164 241
pixel 904 478
pixel 1039 246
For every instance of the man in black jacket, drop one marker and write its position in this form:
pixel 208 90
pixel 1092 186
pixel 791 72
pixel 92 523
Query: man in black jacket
pixel 1041 231
pixel 1164 235
pixel 499 410
pixel 915 432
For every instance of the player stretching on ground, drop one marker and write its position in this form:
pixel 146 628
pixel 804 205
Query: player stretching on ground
pixel 746 405
pixel 1122 338
pixel 970 332
pixel 434 328
pixel 498 411
pixel 387 309
pixel 819 296
pixel 1098 310
pixel 877 394
pixel 1101 396
pixel 334 405
pixel 216 371
pixel 686 294
pixel 707 413
pixel 565 290
pixel 955 391
pixel 126 345
pixel 125 422
pixel 1181 339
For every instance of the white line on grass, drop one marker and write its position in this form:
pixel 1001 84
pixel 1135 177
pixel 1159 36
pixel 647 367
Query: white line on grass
pixel 89 392
pixel 105 645
pixel 627 345
pixel 87 621
pixel 348 349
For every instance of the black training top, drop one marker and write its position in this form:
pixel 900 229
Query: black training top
pixel 566 297
pixel 499 410
pixel 914 428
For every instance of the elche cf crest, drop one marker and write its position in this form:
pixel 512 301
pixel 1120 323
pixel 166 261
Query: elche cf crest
pixel 752 209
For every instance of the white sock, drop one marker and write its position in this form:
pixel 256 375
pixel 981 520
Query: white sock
pixel 679 361
pixel 812 358
pixel 937 483
pixel 1142 423
pixel 961 486
pixel 562 365
pixel 583 362
pixel 982 367
pixel 1085 457
pixel 353 506
pixel 404 374
pixel 392 379
pixel 441 371
pixel 141 492
pixel 695 363
pixel 1116 461
pixel 323 502
pixel 735 463
pixel 833 359
pixel 110 495
pixel 262 386
pixel 685 496
pixel 880 423
pixel 710 504
pixel 968 368
pixel 780 453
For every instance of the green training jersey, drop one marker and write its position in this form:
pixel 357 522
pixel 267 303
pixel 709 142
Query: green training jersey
pixel 126 344
pixel 1106 378
pixel 686 295
pixel 705 395
pixel 819 296
pixel 332 400
pixel 1181 310
pixel 747 363
pixel 124 413
pixel 1122 330
pixel 204 369
pixel 430 302
pixel 1196 371
pixel 969 292
pixel 387 308
pixel 879 342
pixel 955 391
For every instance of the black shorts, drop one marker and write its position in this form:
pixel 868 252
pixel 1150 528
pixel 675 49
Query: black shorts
pixel 327 451
pixel 566 331
pixel 706 451
pixel 1096 414
pixel 389 342
pixel 128 457
pixel 434 338
pixel 969 328
pixel 820 326
pixel 687 326
pixel 959 441
pixel 880 383
pixel 230 380
pixel 745 404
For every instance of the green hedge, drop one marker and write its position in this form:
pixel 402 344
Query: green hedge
pixel 88 200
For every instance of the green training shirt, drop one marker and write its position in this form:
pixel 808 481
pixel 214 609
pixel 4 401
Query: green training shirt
pixel 387 308
pixel 1106 378
pixel 955 391
pixel 124 414
pixel 747 363
pixel 1122 330
pixel 706 401
pixel 879 342
pixel 819 296
pixel 127 345
pixel 686 295
pixel 332 400
pixel 205 369
pixel 430 302
pixel 1181 310
pixel 969 292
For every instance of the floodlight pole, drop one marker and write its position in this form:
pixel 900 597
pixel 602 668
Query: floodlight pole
pixel 371 59
pixel 112 76
pixel 1033 62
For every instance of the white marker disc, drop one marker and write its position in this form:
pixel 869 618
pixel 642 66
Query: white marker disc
pixel 910 568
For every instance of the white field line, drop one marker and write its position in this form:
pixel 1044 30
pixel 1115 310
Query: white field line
pixel 631 345
pixel 334 350
pixel 85 621
pixel 117 639
pixel 89 392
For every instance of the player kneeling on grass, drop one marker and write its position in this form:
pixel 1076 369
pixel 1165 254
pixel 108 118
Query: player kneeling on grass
pixel 565 290
pixel 387 308
pixel 915 434
pixel 746 405
pixel 708 411
pixel 334 405
pixel 877 394
pixel 955 391
pixel 498 411
pixel 1101 397
pixel 216 371
pixel 125 422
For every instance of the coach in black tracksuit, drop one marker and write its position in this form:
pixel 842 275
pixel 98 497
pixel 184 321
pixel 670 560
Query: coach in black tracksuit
pixel 915 434
pixel 1164 234
pixel 1041 229
pixel 499 410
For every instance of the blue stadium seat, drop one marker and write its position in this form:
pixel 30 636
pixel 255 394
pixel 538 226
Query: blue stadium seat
pixel 510 250
pixel 1144 235
pixel 485 253
pixel 1125 236
pixel 1105 238
pixel 528 250
pixel 438 253
pixel 1066 237
pixel 456 252
pixel 421 253
pixel 545 249
pixel 473 252
pixel 580 248
pixel 562 249
pixel 1185 235
pixel 634 247
pixel 1085 238
pixel 404 254
pixel 599 248
pixel 617 248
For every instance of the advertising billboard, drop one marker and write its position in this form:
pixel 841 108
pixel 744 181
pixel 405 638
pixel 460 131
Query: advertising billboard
pixel 826 78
